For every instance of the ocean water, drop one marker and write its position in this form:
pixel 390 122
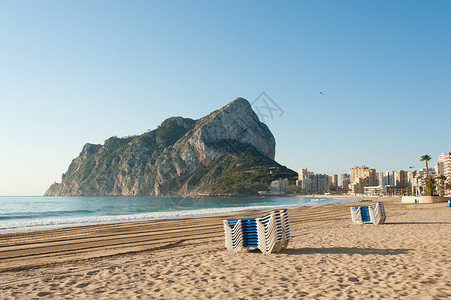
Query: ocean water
pixel 23 213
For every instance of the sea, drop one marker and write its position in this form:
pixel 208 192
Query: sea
pixel 36 212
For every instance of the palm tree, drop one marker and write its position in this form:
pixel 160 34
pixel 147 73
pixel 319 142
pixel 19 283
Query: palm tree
pixel 426 158
pixel 430 186
pixel 442 184
pixel 448 185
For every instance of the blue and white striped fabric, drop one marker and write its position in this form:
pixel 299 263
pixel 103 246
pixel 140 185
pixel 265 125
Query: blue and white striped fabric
pixel 270 233
pixel 374 213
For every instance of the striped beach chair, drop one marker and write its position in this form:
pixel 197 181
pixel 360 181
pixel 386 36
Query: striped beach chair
pixel 270 233
pixel 374 213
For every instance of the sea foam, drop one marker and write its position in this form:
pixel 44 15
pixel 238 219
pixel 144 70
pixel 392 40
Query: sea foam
pixel 102 219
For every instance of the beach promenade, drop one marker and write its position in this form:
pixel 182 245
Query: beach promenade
pixel 328 257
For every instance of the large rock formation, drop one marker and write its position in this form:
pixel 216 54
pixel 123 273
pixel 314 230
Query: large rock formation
pixel 181 156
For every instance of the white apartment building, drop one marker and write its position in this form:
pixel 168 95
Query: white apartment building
pixel 386 178
pixel 443 165
pixel 410 177
pixel 420 176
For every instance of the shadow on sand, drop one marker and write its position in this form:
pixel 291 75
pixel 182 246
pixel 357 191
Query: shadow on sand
pixel 345 250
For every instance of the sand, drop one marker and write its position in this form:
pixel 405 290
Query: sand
pixel 328 257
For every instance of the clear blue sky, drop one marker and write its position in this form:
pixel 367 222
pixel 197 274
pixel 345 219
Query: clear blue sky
pixel 73 72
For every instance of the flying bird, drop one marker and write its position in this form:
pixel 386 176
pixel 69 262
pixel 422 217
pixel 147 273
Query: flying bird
pixel 321 93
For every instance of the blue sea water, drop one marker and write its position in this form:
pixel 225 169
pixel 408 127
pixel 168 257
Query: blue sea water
pixel 23 213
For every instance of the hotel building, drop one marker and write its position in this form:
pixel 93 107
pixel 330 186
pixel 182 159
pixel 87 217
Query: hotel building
pixel 333 179
pixel 314 183
pixel 345 180
pixel 362 177
pixel 443 165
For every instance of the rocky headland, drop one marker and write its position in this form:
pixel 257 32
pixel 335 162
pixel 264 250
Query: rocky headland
pixel 228 152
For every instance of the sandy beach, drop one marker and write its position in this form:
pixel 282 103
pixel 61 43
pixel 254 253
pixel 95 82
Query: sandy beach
pixel 328 257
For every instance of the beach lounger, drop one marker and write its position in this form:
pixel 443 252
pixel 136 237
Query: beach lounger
pixel 270 233
pixel 374 213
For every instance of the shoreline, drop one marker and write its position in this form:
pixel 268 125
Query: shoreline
pixel 155 226
pixel 87 220
pixel 328 257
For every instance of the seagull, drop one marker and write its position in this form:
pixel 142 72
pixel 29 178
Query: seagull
pixel 321 93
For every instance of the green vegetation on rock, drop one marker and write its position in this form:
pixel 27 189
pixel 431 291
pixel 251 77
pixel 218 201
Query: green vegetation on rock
pixel 242 171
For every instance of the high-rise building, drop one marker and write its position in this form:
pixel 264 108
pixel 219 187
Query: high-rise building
pixel 306 184
pixel 302 175
pixel 380 178
pixel 362 177
pixel 386 178
pixel 356 172
pixel 410 177
pixel 319 183
pixel 360 172
pixel 400 179
pixel 443 165
pixel 357 186
pixel 420 176
pixel 333 178
pixel 345 179
pixel 313 183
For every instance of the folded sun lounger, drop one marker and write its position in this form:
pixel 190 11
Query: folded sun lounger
pixel 374 213
pixel 269 233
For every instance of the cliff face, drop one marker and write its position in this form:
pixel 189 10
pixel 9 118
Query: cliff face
pixel 174 158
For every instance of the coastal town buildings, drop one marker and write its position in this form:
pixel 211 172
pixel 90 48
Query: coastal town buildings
pixel 386 178
pixel 363 172
pixel 443 165
pixel 302 175
pixel 315 183
pixel 306 185
pixel 400 179
pixel 357 186
pixel 420 176
pixel 333 179
pixel 361 177
pixel 364 180
pixel 345 180
pixel 278 186
pixel 391 182
pixel 375 190
pixel 410 177
pixel 319 183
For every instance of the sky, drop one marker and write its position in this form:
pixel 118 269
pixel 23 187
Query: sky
pixel 76 72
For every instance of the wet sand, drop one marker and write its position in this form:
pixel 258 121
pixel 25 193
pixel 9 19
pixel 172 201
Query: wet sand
pixel 328 257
